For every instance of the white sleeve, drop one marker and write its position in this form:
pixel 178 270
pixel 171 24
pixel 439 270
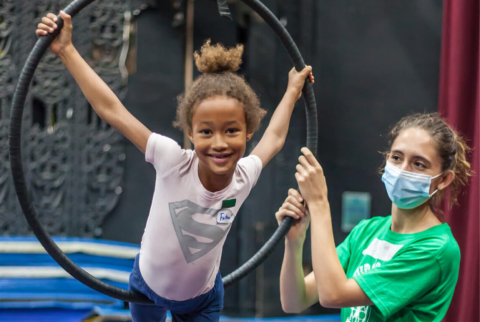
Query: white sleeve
pixel 164 153
pixel 252 166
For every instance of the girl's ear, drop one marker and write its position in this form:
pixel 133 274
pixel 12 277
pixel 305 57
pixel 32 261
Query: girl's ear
pixel 190 135
pixel 249 136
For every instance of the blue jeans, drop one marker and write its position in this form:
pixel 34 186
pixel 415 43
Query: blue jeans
pixel 203 308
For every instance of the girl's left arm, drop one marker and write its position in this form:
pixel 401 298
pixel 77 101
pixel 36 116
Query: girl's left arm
pixel 335 290
pixel 274 137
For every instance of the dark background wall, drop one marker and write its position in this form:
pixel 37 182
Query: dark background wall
pixel 374 62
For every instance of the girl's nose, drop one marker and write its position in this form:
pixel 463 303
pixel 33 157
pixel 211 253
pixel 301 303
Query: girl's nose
pixel 219 142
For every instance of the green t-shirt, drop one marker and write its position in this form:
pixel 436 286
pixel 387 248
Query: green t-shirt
pixel 408 277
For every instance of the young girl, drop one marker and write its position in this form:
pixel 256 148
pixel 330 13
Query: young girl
pixel 402 267
pixel 197 193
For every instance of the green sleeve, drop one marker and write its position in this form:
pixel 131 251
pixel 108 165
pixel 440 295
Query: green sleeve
pixel 343 252
pixel 344 249
pixel 396 283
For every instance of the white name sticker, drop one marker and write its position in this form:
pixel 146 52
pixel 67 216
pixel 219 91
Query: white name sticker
pixel 383 250
pixel 225 216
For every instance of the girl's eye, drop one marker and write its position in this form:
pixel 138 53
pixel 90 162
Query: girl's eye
pixel 232 131
pixel 395 157
pixel 205 132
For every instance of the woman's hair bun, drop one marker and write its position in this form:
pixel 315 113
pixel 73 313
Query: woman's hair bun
pixel 215 59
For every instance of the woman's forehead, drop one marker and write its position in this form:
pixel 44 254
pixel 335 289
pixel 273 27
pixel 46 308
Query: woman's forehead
pixel 415 141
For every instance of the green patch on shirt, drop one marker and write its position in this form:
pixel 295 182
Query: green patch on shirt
pixel 230 203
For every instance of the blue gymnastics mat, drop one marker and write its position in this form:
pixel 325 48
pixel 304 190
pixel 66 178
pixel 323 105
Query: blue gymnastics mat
pixel 31 280
pixel 111 313
pixel 34 288
pixel 68 315
pixel 42 315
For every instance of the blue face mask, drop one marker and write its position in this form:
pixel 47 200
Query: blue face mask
pixel 407 190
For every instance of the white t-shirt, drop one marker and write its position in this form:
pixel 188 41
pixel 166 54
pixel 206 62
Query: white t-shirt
pixel 186 228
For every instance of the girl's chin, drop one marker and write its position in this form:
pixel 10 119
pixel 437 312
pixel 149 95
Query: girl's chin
pixel 223 169
pixel 220 171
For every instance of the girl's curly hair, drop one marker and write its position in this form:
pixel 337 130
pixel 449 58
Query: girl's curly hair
pixel 218 65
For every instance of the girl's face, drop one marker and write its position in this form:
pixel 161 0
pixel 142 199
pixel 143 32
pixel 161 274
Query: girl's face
pixel 414 151
pixel 219 133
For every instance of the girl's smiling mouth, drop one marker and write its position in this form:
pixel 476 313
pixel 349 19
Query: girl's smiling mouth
pixel 220 158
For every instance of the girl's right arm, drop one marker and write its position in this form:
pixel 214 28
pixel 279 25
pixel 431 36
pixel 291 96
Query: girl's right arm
pixel 105 103
pixel 297 292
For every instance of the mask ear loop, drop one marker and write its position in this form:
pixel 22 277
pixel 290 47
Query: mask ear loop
pixel 436 190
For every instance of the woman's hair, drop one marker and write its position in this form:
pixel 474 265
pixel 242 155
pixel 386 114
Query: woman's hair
pixel 451 148
pixel 218 65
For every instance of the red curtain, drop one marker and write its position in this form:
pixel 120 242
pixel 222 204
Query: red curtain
pixel 460 105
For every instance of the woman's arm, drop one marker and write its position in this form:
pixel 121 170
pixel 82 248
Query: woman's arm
pixel 335 290
pixel 297 292
pixel 105 103
pixel 274 137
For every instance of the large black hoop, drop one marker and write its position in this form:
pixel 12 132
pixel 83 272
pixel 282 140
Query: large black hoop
pixel 78 273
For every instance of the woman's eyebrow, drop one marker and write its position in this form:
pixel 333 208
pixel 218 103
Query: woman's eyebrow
pixel 415 156
pixel 423 159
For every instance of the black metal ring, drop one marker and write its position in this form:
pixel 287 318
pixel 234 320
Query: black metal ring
pixel 18 103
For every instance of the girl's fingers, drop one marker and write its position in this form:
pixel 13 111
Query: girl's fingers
pixel 66 17
pixel 49 22
pixel 44 27
pixel 306 71
pixel 39 32
pixel 52 16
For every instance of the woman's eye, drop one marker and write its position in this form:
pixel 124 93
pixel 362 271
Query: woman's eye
pixel 419 164
pixel 395 157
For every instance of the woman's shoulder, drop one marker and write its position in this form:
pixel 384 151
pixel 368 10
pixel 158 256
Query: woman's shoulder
pixel 437 242
pixel 366 229
pixel 374 222
pixel 440 241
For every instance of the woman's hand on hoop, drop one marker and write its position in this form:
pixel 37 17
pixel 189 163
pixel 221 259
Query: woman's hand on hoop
pixel 49 25
pixel 296 80
pixel 293 207
pixel 310 178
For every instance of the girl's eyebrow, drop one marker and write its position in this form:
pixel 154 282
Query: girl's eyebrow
pixel 212 123
pixel 231 122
